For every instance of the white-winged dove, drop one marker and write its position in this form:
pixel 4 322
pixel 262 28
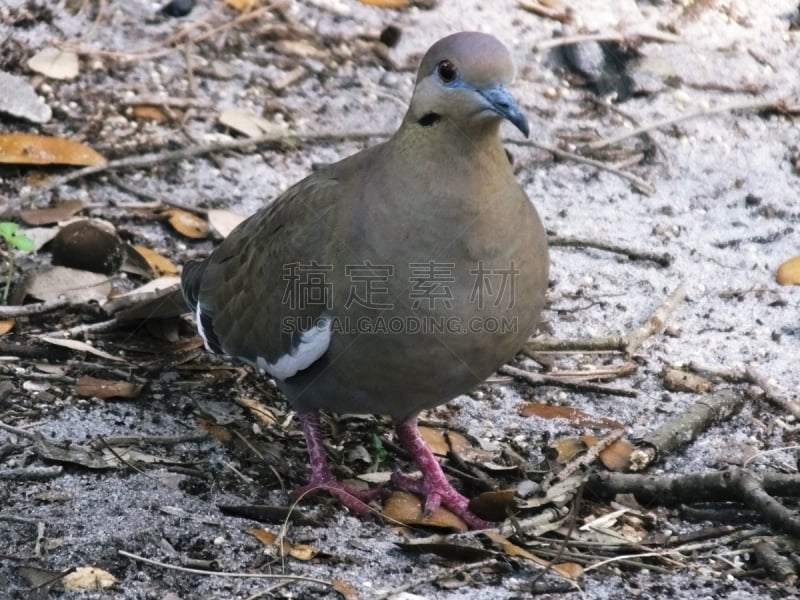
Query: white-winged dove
pixel 395 279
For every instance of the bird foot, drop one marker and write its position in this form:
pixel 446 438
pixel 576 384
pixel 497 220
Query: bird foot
pixel 440 493
pixel 354 499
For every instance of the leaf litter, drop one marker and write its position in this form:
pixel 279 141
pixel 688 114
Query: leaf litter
pixel 256 462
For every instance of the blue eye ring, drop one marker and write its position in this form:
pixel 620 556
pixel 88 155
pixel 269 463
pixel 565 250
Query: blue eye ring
pixel 447 71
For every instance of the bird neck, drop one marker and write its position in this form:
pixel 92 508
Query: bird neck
pixel 457 151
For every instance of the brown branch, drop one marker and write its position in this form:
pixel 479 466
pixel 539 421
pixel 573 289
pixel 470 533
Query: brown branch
pixel 778 566
pixel 611 343
pixel 685 427
pixel 734 485
pixel 537 379
pixel 663 259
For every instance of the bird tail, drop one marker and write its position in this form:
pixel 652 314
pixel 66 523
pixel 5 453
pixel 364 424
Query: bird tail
pixel 191 279
pixel 191 276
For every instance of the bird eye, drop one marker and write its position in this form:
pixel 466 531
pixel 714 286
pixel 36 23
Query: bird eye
pixel 447 71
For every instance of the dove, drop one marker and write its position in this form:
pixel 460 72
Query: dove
pixel 394 280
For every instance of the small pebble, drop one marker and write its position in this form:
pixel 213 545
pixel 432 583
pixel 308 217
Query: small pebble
pixel 177 8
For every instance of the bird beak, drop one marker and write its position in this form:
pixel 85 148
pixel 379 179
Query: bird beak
pixel 502 102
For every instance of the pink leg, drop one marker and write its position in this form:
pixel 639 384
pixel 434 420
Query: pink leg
pixel 321 477
pixel 433 486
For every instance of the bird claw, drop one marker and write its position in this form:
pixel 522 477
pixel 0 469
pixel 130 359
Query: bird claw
pixel 438 494
pixel 354 499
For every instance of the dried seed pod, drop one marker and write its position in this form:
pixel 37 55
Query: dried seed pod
pixel 85 245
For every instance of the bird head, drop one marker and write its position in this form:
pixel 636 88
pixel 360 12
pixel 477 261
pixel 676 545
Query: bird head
pixel 463 79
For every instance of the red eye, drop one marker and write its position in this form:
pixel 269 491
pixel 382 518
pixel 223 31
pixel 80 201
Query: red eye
pixel 447 71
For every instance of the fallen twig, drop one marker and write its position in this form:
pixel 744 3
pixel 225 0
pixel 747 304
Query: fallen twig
pixel 167 156
pixel 662 259
pixel 684 428
pixel 611 343
pixel 751 105
pixel 537 379
pixel 656 322
pixel 612 36
pixel 638 183
pixel 772 395
pixel 779 567
pixel 25 310
pixel 158 563
pixel 736 484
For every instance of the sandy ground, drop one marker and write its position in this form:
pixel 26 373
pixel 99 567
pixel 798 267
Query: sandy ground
pixel 725 205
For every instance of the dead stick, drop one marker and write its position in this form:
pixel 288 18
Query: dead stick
pixel 537 379
pixel 638 183
pixel 771 395
pixel 655 324
pixel 157 158
pixel 685 428
pixel 11 312
pixel 611 343
pixel 751 105
pixel 663 260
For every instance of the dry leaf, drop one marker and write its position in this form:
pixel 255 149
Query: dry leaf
pixel 149 112
pixel 158 298
pixel 80 347
pixel 244 122
pixel 263 413
pixel 218 432
pixel 79 287
pixel 494 505
pixel 435 440
pixel 55 63
pixel 789 272
pixel 53 214
pixel 223 221
pixel 300 551
pixel 387 3
pixel 242 5
pixel 188 224
pixel 406 508
pixel 265 536
pixel 567 449
pixel 30 149
pixel 617 457
pixel 159 264
pixel 574 415
pixel 303 552
pixel 345 588
pixel 90 387
pixel 88 578
pixel 6 325
pixel 566 570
